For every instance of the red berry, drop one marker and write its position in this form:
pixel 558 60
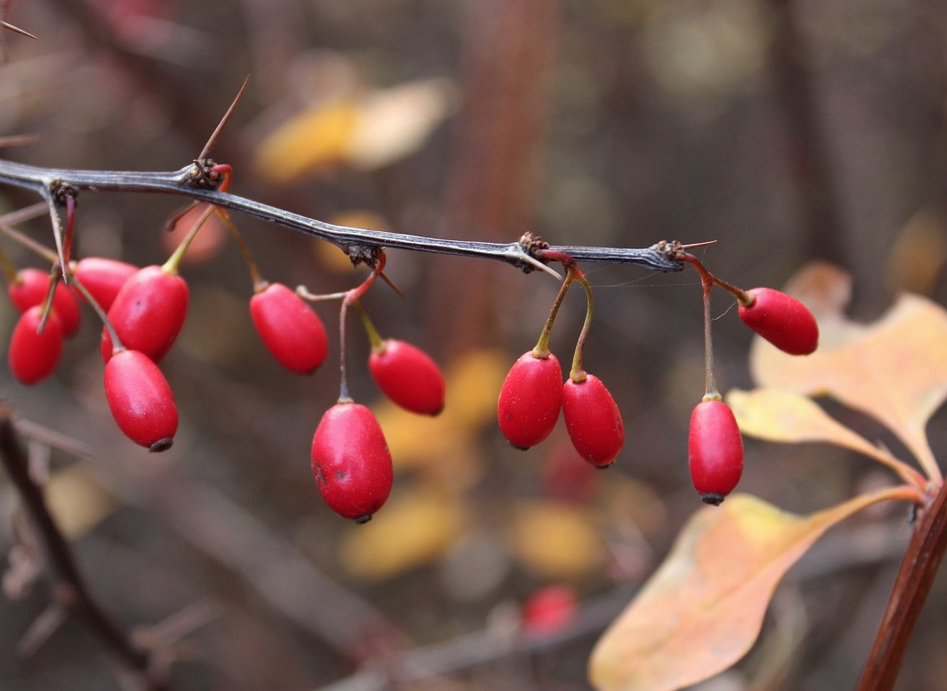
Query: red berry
pixel 408 376
pixel 782 320
pixel 148 313
pixel 103 278
pixel 140 400
pixel 548 610
pixel 530 400
pixel 351 461
pixel 715 450
pixel 30 288
pixel 290 330
pixel 592 420
pixel 33 356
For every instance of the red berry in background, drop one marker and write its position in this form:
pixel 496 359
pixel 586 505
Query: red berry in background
pixel 549 610
pixel 566 476
pixel 148 313
pixel 782 320
pixel 592 420
pixel 30 288
pixel 530 400
pixel 103 278
pixel 140 400
pixel 351 461
pixel 290 330
pixel 33 356
pixel 408 376
pixel 715 450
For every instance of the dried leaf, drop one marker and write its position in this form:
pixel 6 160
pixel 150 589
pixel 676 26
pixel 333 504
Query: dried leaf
pixel 367 131
pixel 419 526
pixel 785 416
pixel 556 540
pixel 77 502
pixel 702 609
pixel 894 370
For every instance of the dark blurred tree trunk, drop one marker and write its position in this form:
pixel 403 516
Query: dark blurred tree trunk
pixel 495 170
pixel 812 170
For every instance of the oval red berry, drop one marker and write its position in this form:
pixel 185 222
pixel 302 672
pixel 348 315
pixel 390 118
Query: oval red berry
pixel 103 278
pixel 33 356
pixel 141 400
pixel 29 289
pixel 593 420
pixel 530 400
pixel 408 376
pixel 715 450
pixel 290 330
pixel 147 313
pixel 782 320
pixel 351 461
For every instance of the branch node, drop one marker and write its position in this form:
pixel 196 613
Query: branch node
pixel 60 191
pixel 204 175
pixel 363 254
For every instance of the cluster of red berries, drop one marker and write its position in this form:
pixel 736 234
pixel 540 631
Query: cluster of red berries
pixel 533 392
pixel 146 307
pixel 715 446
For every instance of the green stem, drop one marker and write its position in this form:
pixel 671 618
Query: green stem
pixel 377 342
pixel 577 374
pixel 173 264
pixel 259 283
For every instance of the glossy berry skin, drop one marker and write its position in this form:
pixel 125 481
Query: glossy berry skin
pixel 33 356
pixel 140 400
pixel 351 461
pixel 715 450
pixel 29 289
pixel 148 313
pixel 592 420
pixel 782 320
pixel 290 330
pixel 408 376
pixel 530 400
pixel 103 278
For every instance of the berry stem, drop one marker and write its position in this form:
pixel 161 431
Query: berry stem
pixel 172 265
pixel 577 373
pixel 259 283
pixel 377 342
pixel 117 346
pixel 351 297
pixel 541 350
pixel 710 384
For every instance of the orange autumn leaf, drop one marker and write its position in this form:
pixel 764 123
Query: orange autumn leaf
pixel 702 609
pixel 894 370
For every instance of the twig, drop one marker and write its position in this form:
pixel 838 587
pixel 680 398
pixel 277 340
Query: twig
pixel 71 585
pixel 41 180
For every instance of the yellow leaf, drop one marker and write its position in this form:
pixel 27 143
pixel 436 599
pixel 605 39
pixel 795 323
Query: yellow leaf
pixel 76 501
pixel 702 609
pixel 894 370
pixel 394 123
pixel 366 131
pixel 556 540
pixel 312 140
pixel 415 527
pixel 784 416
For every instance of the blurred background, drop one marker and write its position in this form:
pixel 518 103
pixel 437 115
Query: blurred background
pixel 785 130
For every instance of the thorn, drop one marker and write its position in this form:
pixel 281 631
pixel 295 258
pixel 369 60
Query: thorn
pixel 391 283
pixel 223 121
pixel 698 244
pixel 18 30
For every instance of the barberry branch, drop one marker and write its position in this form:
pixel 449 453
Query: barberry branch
pixel 41 180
